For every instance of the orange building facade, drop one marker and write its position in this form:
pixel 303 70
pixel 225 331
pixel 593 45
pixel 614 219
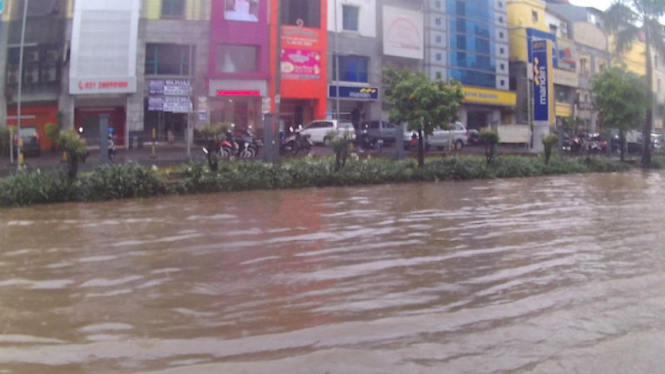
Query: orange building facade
pixel 303 60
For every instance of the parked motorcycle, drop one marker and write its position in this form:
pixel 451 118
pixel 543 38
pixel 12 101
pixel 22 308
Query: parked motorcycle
pixel 366 143
pixel 296 143
pixel 239 143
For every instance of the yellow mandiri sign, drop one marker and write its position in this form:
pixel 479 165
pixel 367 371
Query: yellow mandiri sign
pixel 487 96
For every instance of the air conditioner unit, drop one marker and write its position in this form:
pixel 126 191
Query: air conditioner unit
pixel 32 55
pixel 50 74
pixel 12 75
pixel 31 75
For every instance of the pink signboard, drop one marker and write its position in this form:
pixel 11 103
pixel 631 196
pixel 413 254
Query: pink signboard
pixel 301 64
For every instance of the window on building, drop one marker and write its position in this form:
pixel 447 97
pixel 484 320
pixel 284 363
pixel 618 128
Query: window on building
pixel 501 50
pixel 503 83
pixel 439 57
pixel 173 8
pixel 501 34
pixel 305 13
pixel 439 39
pixel 502 67
pixel 553 29
pixel 561 94
pixel 513 84
pixel 437 4
pixel 167 59
pixel 41 64
pixel 584 68
pixel 500 19
pixel 534 16
pixel 439 75
pixel 350 17
pixel 353 69
pixel 235 58
pixel 438 21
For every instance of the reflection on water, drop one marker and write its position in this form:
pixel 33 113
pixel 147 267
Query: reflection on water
pixel 554 275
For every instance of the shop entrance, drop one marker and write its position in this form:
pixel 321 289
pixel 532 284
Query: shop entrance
pixel 477 120
pixel 87 123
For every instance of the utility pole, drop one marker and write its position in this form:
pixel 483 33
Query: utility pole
pixel 336 66
pixel 20 85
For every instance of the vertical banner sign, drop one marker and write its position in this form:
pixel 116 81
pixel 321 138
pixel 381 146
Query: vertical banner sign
pixel 543 91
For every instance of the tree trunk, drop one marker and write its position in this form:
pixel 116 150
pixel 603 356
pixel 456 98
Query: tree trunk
pixel 421 148
pixel 622 144
pixel 646 136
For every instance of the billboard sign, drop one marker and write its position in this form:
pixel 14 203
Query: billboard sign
pixel 241 10
pixel 543 85
pixel 354 93
pixel 403 33
pixel 301 64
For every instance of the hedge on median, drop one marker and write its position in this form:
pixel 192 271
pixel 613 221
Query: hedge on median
pixel 133 181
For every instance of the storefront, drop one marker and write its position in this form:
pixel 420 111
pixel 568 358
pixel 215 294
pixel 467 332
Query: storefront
pixel 36 116
pixel 103 79
pixel 484 108
pixel 167 108
pixel 355 103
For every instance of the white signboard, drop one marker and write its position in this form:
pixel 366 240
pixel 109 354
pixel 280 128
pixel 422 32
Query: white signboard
pixel 104 43
pixel 403 33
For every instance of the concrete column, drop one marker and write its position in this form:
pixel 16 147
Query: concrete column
pixel 4 35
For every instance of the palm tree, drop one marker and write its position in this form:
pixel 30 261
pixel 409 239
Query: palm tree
pixel 628 21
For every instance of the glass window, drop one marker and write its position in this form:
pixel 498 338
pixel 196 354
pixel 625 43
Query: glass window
pixel 173 8
pixel 232 58
pixel 439 57
pixel 350 15
pixel 438 21
pixel 167 59
pixel 463 26
pixel 474 78
pixel 500 19
pixel 305 13
pixel 439 75
pixel 472 61
pixel 500 5
pixel 353 68
pixel 465 42
pixel 471 10
pixel 534 16
pixel 437 4
pixel 439 39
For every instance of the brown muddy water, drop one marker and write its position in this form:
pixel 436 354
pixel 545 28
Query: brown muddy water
pixel 542 275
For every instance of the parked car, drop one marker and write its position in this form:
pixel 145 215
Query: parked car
pixel 383 130
pixel 318 130
pixel 440 139
pixel 31 145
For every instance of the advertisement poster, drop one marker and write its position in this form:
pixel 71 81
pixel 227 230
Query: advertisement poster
pixel 301 64
pixel 403 33
pixel 567 58
pixel 241 10
pixel 542 81
pixel 177 87
pixel 294 36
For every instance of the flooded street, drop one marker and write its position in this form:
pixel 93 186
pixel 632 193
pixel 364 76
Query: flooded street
pixel 542 275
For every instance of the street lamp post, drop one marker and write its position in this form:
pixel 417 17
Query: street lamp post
pixel 20 84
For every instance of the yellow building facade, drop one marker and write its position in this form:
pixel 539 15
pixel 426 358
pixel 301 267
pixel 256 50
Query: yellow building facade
pixel 523 15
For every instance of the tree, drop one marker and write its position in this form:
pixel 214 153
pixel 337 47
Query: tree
pixel 549 142
pixel 214 135
pixel 621 100
pixel 490 140
pixel 74 148
pixel 52 133
pixel 628 21
pixel 423 104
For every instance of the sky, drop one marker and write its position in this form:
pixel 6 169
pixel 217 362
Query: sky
pixel 600 4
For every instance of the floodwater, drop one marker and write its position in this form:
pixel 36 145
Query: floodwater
pixel 542 275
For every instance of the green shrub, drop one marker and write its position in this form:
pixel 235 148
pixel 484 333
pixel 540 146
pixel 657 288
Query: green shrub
pixel 121 182
pixel 75 150
pixel 490 140
pixel 549 142
pixel 38 188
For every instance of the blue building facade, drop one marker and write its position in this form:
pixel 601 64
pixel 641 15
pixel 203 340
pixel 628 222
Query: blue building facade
pixel 467 40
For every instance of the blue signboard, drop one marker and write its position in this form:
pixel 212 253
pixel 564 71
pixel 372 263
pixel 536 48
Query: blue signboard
pixel 535 35
pixel 354 93
pixel 542 85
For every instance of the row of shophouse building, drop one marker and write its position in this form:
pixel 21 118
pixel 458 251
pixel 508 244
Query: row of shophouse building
pixel 161 64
